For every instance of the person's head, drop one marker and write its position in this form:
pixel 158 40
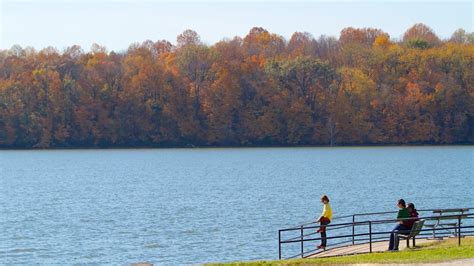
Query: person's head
pixel 411 206
pixel 324 199
pixel 401 203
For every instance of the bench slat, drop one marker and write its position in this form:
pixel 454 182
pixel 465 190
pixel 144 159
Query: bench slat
pixel 450 210
pixel 415 230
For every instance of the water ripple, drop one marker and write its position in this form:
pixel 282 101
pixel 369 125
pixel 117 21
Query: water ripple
pixel 187 206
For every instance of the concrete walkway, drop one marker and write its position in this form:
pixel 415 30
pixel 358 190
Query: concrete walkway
pixel 361 248
pixel 381 247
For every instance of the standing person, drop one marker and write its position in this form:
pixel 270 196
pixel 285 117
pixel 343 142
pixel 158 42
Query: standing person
pixel 401 228
pixel 324 219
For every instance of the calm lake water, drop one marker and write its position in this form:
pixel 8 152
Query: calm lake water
pixel 182 206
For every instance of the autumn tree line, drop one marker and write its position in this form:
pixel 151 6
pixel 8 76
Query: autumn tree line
pixel 259 90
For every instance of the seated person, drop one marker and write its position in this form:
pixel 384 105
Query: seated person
pixel 401 228
pixel 413 215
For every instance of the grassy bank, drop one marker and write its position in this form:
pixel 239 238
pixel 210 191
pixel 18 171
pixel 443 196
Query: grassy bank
pixel 434 252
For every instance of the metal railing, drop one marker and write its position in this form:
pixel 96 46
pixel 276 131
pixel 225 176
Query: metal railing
pixel 366 232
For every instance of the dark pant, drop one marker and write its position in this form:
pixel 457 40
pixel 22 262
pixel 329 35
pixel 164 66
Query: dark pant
pixel 398 230
pixel 322 229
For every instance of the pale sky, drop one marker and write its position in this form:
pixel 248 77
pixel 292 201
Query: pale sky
pixel 118 23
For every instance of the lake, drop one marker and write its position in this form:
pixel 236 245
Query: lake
pixel 183 206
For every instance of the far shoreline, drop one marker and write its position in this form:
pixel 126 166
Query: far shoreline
pixel 203 147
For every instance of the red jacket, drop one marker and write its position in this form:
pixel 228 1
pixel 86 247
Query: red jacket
pixel 414 217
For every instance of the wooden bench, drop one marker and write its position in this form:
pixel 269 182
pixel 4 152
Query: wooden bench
pixel 415 230
pixel 447 217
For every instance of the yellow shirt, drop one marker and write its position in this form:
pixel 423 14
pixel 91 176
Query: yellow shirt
pixel 327 211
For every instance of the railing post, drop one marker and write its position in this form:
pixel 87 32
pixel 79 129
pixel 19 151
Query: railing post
pixel 279 244
pixel 353 229
pixel 302 251
pixel 459 230
pixel 370 236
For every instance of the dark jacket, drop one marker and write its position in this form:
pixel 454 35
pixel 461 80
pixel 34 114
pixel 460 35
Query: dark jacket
pixel 414 217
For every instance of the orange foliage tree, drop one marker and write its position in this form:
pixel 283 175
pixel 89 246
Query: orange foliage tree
pixel 360 88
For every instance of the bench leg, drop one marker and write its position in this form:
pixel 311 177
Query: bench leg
pixel 413 241
pixel 408 242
